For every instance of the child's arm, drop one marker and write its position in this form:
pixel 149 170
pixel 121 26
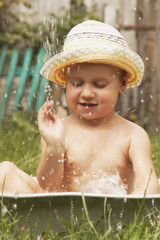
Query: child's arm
pixel 140 156
pixel 51 167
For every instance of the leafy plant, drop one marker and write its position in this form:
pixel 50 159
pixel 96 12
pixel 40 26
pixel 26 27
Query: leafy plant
pixel 13 31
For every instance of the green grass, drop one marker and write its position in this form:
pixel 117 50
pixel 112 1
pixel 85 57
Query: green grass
pixel 155 142
pixel 142 227
pixel 20 143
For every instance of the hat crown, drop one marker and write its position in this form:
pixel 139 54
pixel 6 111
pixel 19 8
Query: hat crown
pixel 95 42
pixel 92 29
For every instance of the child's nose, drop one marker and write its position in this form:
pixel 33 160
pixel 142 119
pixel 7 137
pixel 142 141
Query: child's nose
pixel 87 92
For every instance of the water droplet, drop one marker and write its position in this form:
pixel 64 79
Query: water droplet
pixel 95 150
pixel 119 225
pixel 74 173
pixel 4 210
pixel 14 206
pixel 57 103
pixel 76 181
pixel 68 70
pixel 125 200
pixel 15 195
pixel 147 58
pixel 43 178
pixel 60 160
pixel 157 130
pixel 48 93
pixel 52 171
pixel 151 96
pixel 152 222
pixel 108 206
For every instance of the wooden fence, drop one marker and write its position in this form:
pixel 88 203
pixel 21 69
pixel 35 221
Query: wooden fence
pixel 21 86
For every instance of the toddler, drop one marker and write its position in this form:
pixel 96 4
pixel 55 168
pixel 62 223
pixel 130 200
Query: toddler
pixel 94 149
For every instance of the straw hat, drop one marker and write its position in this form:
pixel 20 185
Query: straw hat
pixel 96 42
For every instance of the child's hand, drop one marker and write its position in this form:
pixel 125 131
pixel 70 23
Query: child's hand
pixel 50 125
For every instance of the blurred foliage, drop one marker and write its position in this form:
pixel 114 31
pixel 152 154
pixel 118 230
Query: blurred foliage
pixel 14 32
pixel 50 33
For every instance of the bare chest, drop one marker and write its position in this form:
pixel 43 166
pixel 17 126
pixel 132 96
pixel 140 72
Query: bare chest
pixel 89 154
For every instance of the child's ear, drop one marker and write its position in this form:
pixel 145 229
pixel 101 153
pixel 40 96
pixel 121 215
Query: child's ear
pixel 123 86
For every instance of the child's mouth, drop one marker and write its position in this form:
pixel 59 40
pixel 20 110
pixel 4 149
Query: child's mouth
pixel 88 105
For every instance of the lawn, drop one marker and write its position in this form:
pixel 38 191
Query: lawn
pixel 20 143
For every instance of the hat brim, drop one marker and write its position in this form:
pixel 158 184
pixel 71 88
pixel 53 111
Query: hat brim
pixel 125 59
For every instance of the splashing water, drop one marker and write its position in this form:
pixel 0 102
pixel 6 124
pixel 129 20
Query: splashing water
pixel 105 184
pixel 49 95
pixel 48 92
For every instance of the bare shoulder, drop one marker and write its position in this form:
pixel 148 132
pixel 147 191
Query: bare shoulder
pixel 134 131
pixel 139 138
pixel 133 127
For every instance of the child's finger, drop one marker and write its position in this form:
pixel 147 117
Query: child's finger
pixel 51 115
pixel 46 112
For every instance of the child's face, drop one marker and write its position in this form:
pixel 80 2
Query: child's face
pixel 92 89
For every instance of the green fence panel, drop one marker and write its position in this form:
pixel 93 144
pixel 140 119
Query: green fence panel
pixel 41 94
pixel 23 78
pixel 35 79
pixel 8 86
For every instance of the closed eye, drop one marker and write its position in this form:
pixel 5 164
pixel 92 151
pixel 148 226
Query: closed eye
pixel 77 84
pixel 100 85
